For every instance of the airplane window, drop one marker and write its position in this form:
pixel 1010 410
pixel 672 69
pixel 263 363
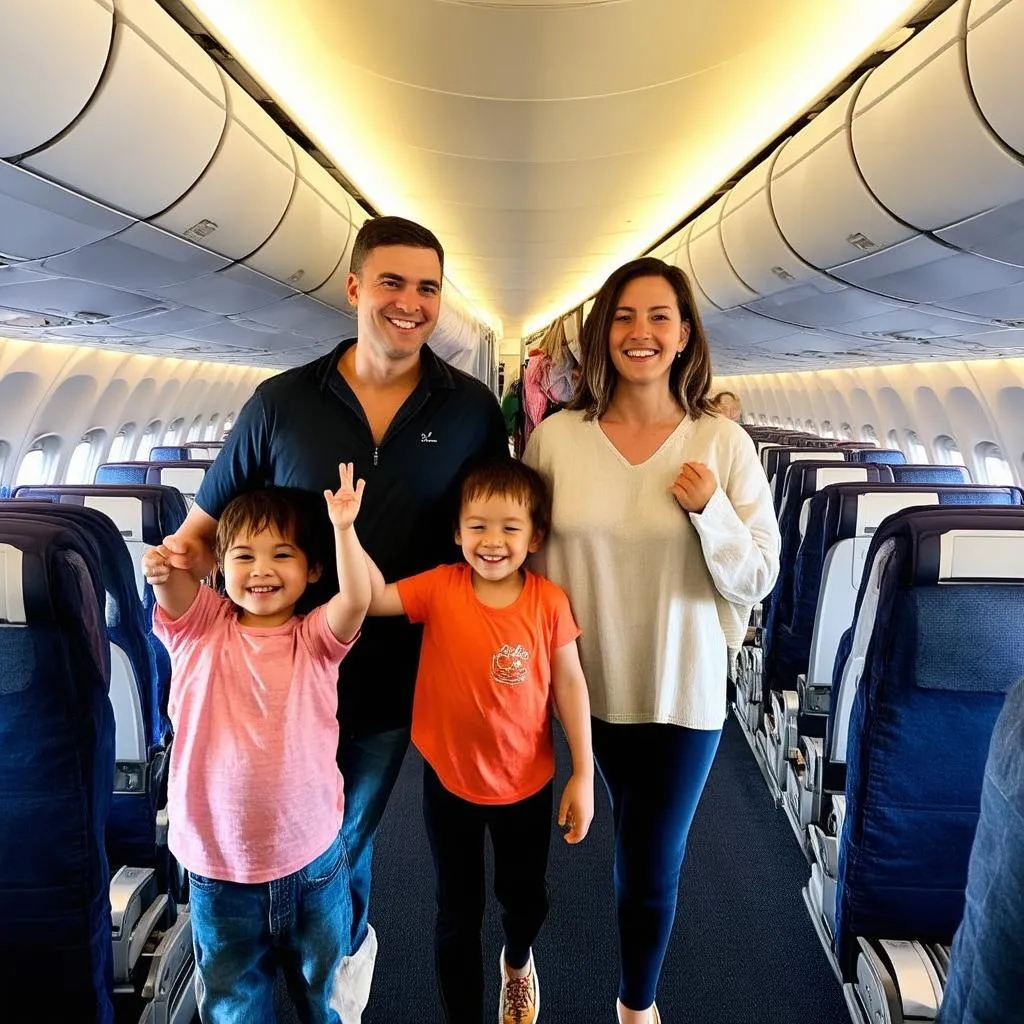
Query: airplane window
pixel 38 462
pixel 846 432
pixel 229 422
pixel 195 432
pixel 763 419
pixel 211 428
pixel 80 467
pixel 892 440
pixel 775 421
pixel 947 451
pixel 826 429
pixel 868 434
pixel 148 440
pixel 809 424
pixel 917 451
pixel 174 429
pixel 122 443
pixel 789 423
pixel 994 468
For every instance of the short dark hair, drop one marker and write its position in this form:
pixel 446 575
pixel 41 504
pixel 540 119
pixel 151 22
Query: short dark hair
pixel 288 511
pixel 380 231
pixel 513 479
pixel 690 376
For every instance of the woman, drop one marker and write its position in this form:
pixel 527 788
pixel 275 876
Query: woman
pixel 663 535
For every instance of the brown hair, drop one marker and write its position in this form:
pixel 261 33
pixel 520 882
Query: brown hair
pixel 510 478
pixel 380 231
pixel 690 376
pixel 724 394
pixel 283 509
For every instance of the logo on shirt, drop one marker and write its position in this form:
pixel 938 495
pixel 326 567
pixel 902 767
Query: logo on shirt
pixel 427 439
pixel 508 664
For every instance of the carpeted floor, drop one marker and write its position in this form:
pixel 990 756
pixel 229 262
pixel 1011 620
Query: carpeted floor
pixel 743 949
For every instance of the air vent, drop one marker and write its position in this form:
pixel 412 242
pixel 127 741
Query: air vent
pixel 862 242
pixel 17 318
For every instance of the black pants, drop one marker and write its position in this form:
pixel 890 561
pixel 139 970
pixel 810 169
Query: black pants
pixel 520 836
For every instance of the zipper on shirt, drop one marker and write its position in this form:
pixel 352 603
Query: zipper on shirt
pixel 376 453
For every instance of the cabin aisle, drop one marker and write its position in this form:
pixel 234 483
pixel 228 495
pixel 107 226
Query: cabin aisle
pixel 743 949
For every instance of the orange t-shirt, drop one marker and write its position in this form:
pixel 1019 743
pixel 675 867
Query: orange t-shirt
pixel 481 715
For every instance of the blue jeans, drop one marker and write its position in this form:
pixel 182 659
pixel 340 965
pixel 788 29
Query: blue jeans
pixel 986 967
pixel 370 766
pixel 242 932
pixel 655 775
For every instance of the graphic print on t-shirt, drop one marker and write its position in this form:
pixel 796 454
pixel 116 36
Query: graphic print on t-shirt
pixel 508 664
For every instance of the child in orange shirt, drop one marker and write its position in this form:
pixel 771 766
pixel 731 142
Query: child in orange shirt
pixel 498 642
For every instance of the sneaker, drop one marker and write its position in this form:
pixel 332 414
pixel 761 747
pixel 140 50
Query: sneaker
pixel 519 1002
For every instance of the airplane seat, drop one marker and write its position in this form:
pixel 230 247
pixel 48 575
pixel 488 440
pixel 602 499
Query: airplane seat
pixel 168 453
pixel 777 460
pixel 840 522
pixel 890 456
pixel 121 473
pixel 146 885
pixel 777 742
pixel 986 965
pixel 186 475
pixel 56 774
pixel 936 644
pixel 921 473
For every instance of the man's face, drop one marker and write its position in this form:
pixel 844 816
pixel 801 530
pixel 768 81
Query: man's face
pixel 397 295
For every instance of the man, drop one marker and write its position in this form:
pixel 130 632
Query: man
pixel 728 405
pixel 411 424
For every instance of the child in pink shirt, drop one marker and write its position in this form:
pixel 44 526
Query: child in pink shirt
pixel 255 798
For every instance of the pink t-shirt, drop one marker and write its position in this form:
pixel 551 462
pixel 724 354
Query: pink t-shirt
pixel 254 791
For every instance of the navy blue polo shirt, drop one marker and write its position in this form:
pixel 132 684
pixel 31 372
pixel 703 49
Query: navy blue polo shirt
pixel 295 430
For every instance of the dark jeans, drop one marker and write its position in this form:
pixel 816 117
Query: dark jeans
pixel 520 836
pixel 655 775
pixel 241 932
pixel 986 967
pixel 370 767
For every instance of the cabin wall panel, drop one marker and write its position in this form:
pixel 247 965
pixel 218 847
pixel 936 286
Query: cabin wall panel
pixel 972 402
pixel 67 391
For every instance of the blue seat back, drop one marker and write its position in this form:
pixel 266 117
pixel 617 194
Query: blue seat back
pixel 56 772
pixel 802 480
pixel 915 473
pixel 890 456
pixel 168 453
pixel 937 642
pixel 826 577
pixel 121 473
pixel 777 461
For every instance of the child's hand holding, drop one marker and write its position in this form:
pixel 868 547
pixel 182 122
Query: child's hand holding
pixel 156 565
pixel 343 505
pixel 577 807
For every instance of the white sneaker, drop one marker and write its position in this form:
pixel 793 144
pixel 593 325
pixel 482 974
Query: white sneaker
pixel 519 1002
pixel 352 986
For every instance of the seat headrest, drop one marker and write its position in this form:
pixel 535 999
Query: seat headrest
pixel 915 473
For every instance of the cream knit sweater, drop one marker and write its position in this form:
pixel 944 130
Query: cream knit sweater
pixel 654 589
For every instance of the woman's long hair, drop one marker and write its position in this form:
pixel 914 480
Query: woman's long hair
pixel 690 376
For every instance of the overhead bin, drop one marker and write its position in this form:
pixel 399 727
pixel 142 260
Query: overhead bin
pixel 313 235
pixel 334 291
pixel 713 272
pixel 784 286
pixel 304 315
pixel 682 261
pixel 995 29
pixel 218 214
pixel 153 124
pixel 667 249
pixel 52 56
pixel 930 157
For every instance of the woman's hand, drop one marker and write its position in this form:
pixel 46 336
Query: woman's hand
pixel 693 486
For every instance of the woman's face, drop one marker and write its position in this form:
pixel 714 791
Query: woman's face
pixel 647 332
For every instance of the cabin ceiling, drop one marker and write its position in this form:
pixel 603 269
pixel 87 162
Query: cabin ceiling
pixel 545 141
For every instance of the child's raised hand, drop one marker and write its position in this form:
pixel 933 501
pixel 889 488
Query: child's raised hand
pixel 576 811
pixel 343 504
pixel 156 565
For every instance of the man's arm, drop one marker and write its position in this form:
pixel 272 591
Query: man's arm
pixel 174 588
